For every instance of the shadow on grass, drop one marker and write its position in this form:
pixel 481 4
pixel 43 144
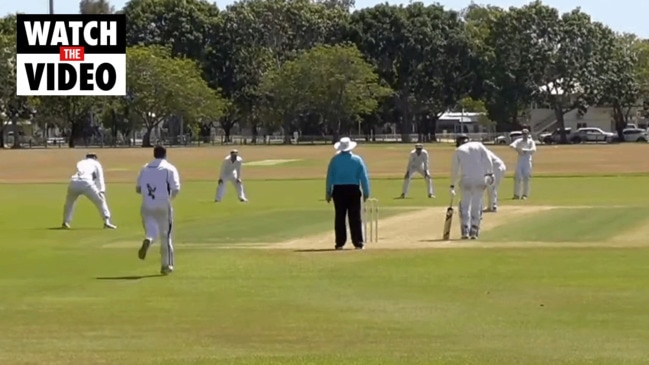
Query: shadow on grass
pixel 71 229
pixel 317 250
pixel 443 240
pixel 134 277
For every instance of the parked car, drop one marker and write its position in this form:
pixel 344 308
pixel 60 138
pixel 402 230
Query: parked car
pixel 509 138
pixel 555 137
pixel 635 135
pixel 595 135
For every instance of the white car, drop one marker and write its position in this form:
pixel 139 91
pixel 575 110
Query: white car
pixel 635 135
pixel 509 139
pixel 593 135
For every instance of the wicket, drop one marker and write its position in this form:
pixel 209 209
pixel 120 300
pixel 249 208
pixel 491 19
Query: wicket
pixel 371 218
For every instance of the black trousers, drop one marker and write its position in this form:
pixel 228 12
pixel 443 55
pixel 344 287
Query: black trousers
pixel 347 202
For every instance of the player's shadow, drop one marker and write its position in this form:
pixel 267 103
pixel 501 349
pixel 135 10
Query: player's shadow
pixel 442 240
pixel 317 250
pixel 133 277
pixel 68 229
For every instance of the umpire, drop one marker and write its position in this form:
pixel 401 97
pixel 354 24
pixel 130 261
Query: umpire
pixel 345 177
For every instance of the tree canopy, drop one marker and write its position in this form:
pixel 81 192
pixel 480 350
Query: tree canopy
pixel 321 68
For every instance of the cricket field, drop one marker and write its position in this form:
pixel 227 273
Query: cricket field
pixel 561 278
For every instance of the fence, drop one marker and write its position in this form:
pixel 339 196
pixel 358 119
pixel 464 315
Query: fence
pixel 187 141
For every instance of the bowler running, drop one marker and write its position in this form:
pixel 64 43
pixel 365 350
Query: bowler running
pixel 158 184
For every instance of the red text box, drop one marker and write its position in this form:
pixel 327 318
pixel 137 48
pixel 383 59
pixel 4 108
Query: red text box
pixel 71 54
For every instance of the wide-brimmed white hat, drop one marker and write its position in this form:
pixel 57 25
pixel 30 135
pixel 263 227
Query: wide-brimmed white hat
pixel 345 144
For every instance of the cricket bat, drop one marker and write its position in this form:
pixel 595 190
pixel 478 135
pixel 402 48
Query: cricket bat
pixel 448 221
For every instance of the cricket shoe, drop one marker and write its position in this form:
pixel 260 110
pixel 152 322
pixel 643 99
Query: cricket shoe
pixel 465 232
pixel 166 270
pixel 360 247
pixel 524 197
pixel 516 197
pixel 243 200
pixel 431 196
pixel 65 225
pixel 144 248
pixel 473 233
pixel 110 226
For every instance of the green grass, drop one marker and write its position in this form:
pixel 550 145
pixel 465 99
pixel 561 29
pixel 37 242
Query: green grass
pixel 67 300
pixel 571 225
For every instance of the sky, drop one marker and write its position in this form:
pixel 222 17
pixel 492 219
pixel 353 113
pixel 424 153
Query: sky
pixel 620 15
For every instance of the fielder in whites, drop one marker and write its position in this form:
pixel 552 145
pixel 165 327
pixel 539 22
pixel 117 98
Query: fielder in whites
pixel 87 181
pixel 231 172
pixel 159 184
pixel 418 162
pixel 473 171
pixel 525 147
pixel 499 174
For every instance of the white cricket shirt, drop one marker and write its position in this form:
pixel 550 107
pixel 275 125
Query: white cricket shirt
pixel 521 144
pixel 230 169
pixel 418 161
pixel 90 170
pixel 471 162
pixel 158 183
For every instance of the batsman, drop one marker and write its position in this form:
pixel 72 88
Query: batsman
pixel 473 172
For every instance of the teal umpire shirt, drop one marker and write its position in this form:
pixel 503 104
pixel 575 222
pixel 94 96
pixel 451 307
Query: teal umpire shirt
pixel 347 168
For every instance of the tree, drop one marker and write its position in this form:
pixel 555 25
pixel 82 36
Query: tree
pixel 514 51
pixel 163 87
pixel 621 87
pixel 572 70
pixel 70 112
pixel 445 74
pixel 409 47
pixel 95 7
pixel 331 82
pixel 12 107
pixel 258 35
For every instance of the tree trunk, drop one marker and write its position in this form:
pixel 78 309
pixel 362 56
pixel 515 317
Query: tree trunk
pixel 146 138
pixel 2 137
pixel 433 129
pixel 14 125
pixel 73 134
pixel 558 112
pixel 620 121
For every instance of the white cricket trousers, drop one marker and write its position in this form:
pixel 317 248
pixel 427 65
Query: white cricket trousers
pixel 522 177
pixel 158 225
pixel 492 191
pixel 90 191
pixel 471 206
pixel 220 189
pixel 422 172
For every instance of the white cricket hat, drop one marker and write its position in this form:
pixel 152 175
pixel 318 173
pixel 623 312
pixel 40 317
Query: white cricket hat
pixel 345 144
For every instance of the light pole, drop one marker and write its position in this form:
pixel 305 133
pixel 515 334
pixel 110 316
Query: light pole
pixel 51 6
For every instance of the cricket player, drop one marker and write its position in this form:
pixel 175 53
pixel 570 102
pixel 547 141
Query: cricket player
pixel 525 147
pixel 231 171
pixel 158 183
pixel 499 174
pixel 418 162
pixel 473 170
pixel 87 181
